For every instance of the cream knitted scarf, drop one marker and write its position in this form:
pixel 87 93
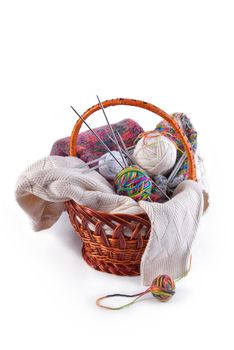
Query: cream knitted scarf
pixel 44 186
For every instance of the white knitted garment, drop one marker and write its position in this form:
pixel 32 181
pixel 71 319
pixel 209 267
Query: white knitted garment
pixel 173 228
pixel 44 186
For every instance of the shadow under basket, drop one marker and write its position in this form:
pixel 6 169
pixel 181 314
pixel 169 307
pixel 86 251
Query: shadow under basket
pixel 115 243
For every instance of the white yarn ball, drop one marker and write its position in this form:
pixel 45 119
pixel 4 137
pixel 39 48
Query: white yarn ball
pixel 155 153
pixel 108 167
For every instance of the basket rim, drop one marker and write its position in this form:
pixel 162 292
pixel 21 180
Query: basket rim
pixel 142 215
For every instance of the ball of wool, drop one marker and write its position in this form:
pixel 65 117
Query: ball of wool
pixel 163 287
pixel 155 153
pixel 108 167
pixel 134 183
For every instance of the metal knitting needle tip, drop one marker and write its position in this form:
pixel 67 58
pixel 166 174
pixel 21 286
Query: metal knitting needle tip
pixel 111 130
pixel 106 147
pixel 97 159
pixel 121 140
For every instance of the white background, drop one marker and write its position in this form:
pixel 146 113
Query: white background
pixel 177 55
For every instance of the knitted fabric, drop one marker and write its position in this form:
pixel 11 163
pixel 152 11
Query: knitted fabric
pixel 45 185
pixel 173 228
pixel 89 148
pixel 185 124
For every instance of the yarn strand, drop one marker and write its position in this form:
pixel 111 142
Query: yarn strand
pixel 138 296
pixel 162 288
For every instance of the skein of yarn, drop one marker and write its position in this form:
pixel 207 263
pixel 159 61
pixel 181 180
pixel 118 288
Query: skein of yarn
pixel 134 183
pixel 108 167
pixel 155 153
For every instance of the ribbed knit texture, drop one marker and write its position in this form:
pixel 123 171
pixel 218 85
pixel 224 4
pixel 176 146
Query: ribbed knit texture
pixel 43 187
pixel 173 228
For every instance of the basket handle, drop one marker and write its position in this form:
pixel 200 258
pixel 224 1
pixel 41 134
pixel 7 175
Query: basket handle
pixel 144 105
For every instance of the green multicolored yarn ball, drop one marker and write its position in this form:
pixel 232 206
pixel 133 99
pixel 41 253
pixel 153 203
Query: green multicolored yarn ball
pixel 134 183
pixel 163 287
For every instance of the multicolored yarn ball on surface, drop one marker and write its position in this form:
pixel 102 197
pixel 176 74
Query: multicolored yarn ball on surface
pixel 134 183
pixel 163 288
pixel 155 153
pixel 108 167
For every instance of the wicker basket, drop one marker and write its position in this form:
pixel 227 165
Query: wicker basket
pixel 117 253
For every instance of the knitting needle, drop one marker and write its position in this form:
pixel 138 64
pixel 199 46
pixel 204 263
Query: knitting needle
pixel 132 159
pixel 176 168
pixel 125 152
pixel 134 162
pixel 112 131
pixel 87 171
pixel 106 147
pixel 90 163
pixel 121 140
pixel 96 160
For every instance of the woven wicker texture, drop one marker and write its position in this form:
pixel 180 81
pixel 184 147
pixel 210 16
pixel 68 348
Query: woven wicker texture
pixel 115 243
